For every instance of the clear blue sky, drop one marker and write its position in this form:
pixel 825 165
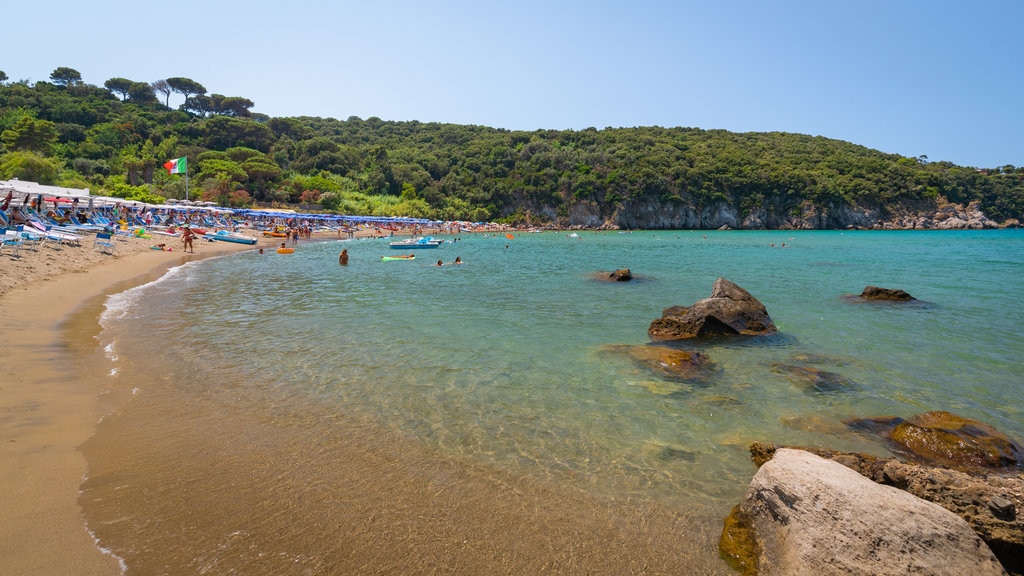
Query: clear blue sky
pixel 912 77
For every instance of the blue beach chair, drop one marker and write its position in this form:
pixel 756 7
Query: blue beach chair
pixel 11 243
pixel 104 243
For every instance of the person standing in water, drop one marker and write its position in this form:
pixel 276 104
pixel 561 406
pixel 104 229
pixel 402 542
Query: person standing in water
pixel 186 238
pixel 343 258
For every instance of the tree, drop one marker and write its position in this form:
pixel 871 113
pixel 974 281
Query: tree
pixel 200 105
pixel 261 171
pixel 3 76
pixel 162 87
pixel 27 166
pixel 120 86
pixel 141 93
pixel 30 134
pixel 233 106
pixel 64 76
pixel 186 87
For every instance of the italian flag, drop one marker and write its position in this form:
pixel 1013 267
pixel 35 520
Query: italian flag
pixel 177 166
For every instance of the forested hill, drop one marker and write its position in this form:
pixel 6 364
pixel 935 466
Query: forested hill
pixel 115 138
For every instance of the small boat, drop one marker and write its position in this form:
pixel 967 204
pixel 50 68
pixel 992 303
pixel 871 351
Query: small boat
pixel 424 242
pixel 390 258
pixel 227 236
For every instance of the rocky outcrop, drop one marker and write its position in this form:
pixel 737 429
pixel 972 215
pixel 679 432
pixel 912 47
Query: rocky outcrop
pixel 991 504
pixel 942 217
pixel 647 213
pixel 729 311
pixel 808 515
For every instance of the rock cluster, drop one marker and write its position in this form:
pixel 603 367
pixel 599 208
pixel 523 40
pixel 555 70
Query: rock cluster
pixel 804 514
pixel 947 217
pixel 992 503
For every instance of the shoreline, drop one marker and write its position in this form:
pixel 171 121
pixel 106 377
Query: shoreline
pixel 49 297
pixel 52 407
pixel 46 411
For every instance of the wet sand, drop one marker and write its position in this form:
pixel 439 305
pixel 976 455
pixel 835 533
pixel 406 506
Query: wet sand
pixel 389 507
pixel 46 410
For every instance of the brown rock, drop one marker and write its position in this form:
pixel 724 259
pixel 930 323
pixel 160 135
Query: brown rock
pixel 729 311
pixel 947 440
pixel 876 293
pixel 621 275
pixel 672 363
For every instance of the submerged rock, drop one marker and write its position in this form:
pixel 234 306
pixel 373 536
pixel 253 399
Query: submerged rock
pixel 808 515
pixel 672 363
pixel 813 379
pixel 729 311
pixel 945 439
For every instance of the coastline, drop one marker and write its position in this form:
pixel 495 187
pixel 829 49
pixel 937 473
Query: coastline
pixel 46 411
pixel 421 509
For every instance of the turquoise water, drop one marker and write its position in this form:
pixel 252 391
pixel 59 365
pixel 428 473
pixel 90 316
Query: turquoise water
pixel 504 359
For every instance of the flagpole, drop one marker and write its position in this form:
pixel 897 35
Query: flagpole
pixel 186 178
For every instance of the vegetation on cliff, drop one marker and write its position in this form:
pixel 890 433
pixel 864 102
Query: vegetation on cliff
pixel 114 139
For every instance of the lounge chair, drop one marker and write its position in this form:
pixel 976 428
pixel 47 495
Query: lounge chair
pixel 104 243
pixel 30 239
pixel 11 243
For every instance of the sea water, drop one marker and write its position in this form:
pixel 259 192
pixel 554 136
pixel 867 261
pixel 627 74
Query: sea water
pixel 509 360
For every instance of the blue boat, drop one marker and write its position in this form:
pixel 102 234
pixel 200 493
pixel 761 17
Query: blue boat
pixel 227 236
pixel 424 242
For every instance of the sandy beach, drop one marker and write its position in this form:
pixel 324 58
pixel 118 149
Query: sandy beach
pixel 46 413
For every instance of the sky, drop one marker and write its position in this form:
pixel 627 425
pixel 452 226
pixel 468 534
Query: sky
pixel 934 78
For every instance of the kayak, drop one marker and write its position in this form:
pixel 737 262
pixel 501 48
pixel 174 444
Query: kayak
pixel 390 258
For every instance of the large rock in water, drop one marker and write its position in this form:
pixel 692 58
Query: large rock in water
pixel 894 294
pixel 808 515
pixel 730 310
pixel 992 504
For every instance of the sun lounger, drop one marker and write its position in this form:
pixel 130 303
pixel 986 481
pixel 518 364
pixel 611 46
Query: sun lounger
pixel 104 243
pixel 11 243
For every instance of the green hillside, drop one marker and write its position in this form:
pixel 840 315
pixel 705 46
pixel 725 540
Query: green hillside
pixel 114 139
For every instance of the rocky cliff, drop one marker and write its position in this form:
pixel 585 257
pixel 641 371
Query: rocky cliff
pixel 673 214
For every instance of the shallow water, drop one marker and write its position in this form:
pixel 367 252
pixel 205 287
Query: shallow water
pixel 503 365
